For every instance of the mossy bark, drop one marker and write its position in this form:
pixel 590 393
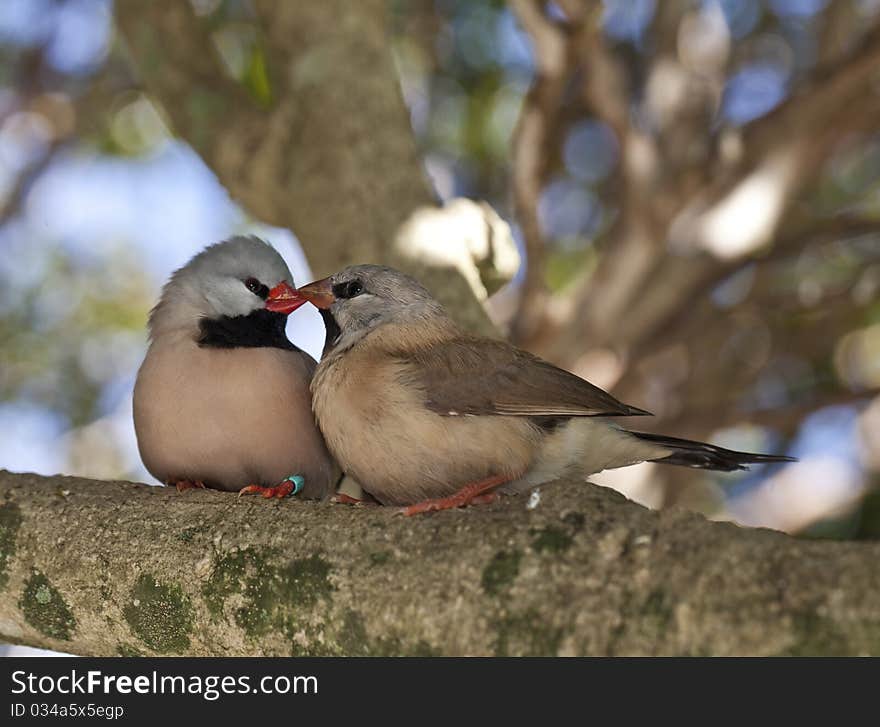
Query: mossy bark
pixel 110 568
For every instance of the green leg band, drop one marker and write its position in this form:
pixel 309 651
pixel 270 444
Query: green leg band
pixel 298 482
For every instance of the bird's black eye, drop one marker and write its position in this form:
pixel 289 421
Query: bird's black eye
pixel 257 288
pixel 350 289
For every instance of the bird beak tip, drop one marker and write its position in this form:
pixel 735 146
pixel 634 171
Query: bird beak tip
pixel 284 298
pixel 319 293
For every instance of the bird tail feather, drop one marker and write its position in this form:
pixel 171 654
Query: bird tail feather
pixel 689 453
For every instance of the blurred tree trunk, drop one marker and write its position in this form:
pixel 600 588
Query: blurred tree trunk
pixel 319 142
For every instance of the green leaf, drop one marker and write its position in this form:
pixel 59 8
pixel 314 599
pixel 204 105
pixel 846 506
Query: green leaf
pixel 256 77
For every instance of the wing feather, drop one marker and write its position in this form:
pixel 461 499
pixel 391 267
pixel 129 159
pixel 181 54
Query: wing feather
pixel 480 376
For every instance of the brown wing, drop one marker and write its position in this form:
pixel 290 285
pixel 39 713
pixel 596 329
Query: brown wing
pixel 482 376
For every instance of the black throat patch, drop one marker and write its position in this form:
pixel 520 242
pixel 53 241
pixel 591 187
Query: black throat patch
pixel 333 330
pixel 260 329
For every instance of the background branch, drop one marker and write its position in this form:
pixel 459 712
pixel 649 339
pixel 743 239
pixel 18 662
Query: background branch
pixel 534 141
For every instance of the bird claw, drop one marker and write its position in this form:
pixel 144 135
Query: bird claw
pixel 477 493
pixel 278 491
pixel 182 485
pixel 444 503
pixel 340 498
pixel 293 484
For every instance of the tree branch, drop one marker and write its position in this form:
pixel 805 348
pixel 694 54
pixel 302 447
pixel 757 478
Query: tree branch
pixel 107 568
pixel 534 140
pixel 826 103
pixel 788 146
pixel 655 318
pixel 206 106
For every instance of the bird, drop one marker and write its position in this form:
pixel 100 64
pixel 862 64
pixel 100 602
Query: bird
pixel 222 397
pixel 428 417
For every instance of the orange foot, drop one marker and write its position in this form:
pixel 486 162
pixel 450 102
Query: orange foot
pixel 480 492
pixel 188 485
pixel 340 498
pixel 293 484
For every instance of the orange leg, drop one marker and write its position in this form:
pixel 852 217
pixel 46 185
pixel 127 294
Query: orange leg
pixel 292 484
pixel 340 498
pixel 476 492
pixel 188 485
pixel 279 491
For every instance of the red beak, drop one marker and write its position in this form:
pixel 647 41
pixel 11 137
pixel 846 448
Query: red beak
pixel 284 298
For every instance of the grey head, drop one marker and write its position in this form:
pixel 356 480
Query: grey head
pixel 226 281
pixel 359 299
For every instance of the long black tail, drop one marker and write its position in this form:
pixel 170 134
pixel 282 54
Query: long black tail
pixel 707 456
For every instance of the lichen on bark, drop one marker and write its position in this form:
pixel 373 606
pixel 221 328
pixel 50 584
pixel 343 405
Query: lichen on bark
pixel 159 614
pixel 10 522
pixel 45 609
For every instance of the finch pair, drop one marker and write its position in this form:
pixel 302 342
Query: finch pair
pixel 420 413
